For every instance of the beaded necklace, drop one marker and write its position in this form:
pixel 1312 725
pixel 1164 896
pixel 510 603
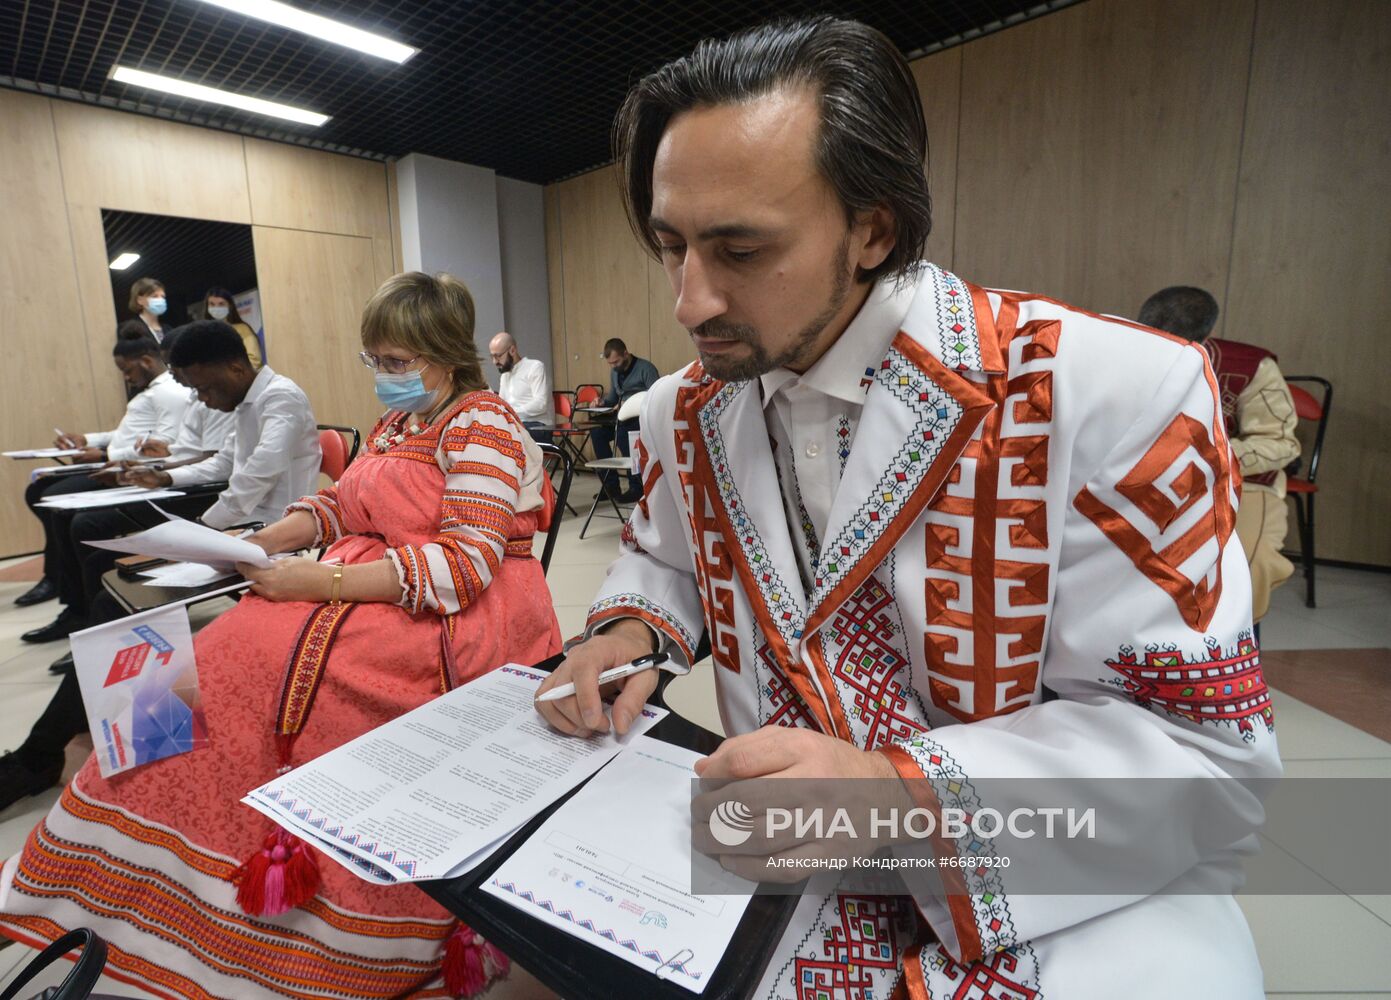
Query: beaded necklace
pixel 396 431
pixel 402 427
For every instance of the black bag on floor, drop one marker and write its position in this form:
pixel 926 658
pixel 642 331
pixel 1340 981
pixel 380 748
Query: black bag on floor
pixel 79 983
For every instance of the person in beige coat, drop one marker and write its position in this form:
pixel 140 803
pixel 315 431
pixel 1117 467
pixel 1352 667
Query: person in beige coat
pixel 1260 417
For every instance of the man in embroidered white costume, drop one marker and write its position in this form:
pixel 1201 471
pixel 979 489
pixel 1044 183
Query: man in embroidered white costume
pixel 934 531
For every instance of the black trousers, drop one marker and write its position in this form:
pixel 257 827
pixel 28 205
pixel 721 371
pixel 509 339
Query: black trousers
pixel 78 567
pixel 51 487
pixel 604 438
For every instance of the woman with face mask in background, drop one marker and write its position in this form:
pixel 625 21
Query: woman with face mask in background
pixel 148 302
pixel 219 304
pixel 428 582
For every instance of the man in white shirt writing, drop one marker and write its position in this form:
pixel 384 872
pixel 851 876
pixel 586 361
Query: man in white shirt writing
pixel 524 386
pixel 155 411
pixel 272 456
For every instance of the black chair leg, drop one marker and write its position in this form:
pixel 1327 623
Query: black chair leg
pixel 1302 525
pixel 1309 556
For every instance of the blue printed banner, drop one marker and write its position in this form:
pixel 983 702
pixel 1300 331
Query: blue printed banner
pixel 139 685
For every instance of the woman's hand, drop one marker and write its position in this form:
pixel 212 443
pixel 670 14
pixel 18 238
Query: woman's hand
pixel 297 530
pixel 292 579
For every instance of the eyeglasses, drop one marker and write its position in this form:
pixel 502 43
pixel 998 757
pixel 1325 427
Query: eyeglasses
pixel 395 366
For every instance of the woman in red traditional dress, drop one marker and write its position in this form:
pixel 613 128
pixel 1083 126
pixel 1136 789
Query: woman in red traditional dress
pixel 428 582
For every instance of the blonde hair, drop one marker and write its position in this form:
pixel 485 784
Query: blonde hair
pixel 142 286
pixel 430 315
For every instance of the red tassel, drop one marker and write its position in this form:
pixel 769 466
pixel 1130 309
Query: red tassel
pixel 280 876
pixel 471 963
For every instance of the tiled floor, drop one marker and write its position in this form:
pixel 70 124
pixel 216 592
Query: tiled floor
pixel 1316 947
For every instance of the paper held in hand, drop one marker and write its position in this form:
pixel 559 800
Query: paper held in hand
pixel 139 686
pixel 114 497
pixel 43 453
pixel 433 793
pixel 184 541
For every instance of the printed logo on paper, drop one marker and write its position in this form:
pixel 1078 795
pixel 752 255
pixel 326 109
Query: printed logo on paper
pixel 128 662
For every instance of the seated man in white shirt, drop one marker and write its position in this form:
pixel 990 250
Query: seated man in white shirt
pixel 272 456
pixel 203 432
pixel 155 411
pixel 524 386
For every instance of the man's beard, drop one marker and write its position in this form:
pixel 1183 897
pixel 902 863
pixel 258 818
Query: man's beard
pixel 759 361
pixel 505 367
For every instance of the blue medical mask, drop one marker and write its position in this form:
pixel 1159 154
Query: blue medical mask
pixel 218 312
pixel 157 307
pixel 405 392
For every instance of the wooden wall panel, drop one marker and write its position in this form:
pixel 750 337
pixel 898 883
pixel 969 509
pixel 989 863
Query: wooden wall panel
pixel 393 204
pixel 65 162
pixel 672 349
pixel 938 77
pixel 295 188
pixel 317 335
pixel 40 312
pixel 142 164
pixel 98 310
pixel 605 286
pixel 1312 246
pixel 555 287
pixel 1098 150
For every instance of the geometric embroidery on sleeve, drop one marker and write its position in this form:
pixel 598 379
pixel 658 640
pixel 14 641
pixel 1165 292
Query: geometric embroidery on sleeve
pixel 1181 472
pixel 631 605
pixel 1226 688
pixel 984 885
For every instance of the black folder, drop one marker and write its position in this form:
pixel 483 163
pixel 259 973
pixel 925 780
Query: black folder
pixel 578 970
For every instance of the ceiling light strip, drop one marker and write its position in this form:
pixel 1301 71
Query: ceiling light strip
pixel 317 26
pixel 198 92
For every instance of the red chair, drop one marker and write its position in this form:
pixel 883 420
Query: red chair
pixel 337 453
pixel 566 431
pixel 1303 488
pixel 588 394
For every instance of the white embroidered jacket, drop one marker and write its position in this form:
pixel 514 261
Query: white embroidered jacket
pixel 1036 499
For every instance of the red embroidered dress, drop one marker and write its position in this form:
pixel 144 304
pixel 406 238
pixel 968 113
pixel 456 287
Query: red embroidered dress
pixel 146 859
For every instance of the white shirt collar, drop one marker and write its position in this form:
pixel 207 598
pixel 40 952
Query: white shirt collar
pixel 258 386
pixel 856 353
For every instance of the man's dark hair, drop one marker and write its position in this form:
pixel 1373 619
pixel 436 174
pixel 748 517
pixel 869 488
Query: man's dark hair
pixel 1182 310
pixel 136 348
pixel 207 342
pixel 166 346
pixel 614 345
pixel 132 329
pixel 873 139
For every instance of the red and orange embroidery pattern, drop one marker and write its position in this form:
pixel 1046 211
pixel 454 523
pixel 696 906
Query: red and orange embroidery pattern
pixel 1218 688
pixel 859 949
pixel 989 524
pixel 713 566
pixel 1192 466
